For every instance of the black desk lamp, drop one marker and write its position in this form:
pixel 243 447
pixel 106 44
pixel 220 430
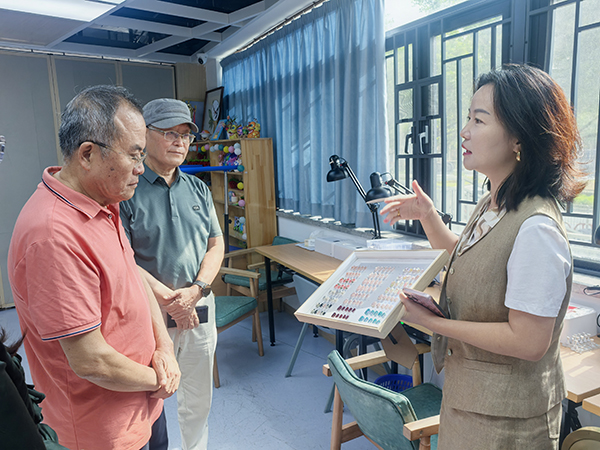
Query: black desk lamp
pixel 379 191
pixel 340 169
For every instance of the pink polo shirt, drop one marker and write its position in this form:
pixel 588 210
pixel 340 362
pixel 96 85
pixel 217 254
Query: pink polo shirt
pixel 72 270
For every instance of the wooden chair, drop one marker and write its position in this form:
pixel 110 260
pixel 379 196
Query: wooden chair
pixel 230 310
pixel 279 277
pixel 379 412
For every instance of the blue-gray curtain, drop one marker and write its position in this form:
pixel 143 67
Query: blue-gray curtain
pixel 317 87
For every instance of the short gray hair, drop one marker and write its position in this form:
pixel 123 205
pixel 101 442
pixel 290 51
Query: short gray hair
pixel 90 116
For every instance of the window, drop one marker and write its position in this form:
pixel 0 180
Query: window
pixel 574 57
pixel 431 65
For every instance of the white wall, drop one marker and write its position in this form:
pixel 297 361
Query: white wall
pixel 34 89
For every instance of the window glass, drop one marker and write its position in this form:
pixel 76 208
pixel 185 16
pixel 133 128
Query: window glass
pixel 590 13
pixel 561 50
pixel 401 12
pixel 458 46
pixel 400 59
pixel 484 55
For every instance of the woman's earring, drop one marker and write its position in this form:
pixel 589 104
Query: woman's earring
pixel 519 155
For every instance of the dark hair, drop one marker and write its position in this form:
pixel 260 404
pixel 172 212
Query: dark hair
pixel 535 110
pixel 11 349
pixel 90 115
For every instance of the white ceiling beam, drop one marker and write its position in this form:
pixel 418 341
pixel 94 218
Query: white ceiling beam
pixel 213 37
pixel 126 54
pixel 95 50
pixel 247 13
pixel 159 45
pixel 205 49
pixel 84 26
pixel 143 25
pixel 228 33
pixel 205 28
pixel 180 10
pixel 197 33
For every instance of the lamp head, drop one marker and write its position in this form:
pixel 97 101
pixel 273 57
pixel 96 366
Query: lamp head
pixel 337 171
pixel 377 191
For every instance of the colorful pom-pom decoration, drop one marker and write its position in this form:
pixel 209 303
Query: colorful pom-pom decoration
pixel 240 186
pixel 242 220
pixel 238 151
pixel 242 203
pixel 231 149
pixel 220 146
pixel 240 168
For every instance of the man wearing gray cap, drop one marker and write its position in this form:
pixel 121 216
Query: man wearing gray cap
pixel 174 230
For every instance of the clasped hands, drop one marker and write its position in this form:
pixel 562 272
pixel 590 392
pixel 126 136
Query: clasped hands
pixel 181 306
pixel 167 372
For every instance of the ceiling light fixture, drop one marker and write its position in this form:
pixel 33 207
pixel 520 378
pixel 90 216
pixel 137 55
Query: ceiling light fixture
pixel 82 10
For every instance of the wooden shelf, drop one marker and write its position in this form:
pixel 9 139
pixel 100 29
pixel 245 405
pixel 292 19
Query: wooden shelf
pixel 258 193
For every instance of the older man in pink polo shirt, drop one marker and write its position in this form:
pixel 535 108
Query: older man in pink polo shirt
pixel 95 339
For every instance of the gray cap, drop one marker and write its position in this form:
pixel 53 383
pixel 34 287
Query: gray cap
pixel 167 113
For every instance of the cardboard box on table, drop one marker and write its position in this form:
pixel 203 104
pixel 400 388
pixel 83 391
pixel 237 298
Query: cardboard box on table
pixel 365 319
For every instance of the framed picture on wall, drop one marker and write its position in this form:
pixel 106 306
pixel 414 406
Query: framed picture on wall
pixel 212 109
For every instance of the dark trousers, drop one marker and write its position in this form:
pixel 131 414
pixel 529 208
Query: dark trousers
pixel 159 439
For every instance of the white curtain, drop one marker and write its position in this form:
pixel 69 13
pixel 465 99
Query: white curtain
pixel 317 87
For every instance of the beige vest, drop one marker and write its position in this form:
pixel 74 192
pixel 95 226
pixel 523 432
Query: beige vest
pixel 474 290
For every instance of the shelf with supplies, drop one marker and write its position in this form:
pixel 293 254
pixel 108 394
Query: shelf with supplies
pixel 196 161
pixel 250 192
pixel 362 295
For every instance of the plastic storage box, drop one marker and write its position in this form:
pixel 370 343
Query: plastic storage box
pixel 395 382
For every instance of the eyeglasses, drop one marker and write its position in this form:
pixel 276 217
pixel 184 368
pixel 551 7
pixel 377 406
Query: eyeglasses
pixel 137 160
pixel 2 147
pixel 172 136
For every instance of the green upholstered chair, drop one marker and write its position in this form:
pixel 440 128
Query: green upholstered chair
pixel 390 420
pixel 279 277
pixel 230 310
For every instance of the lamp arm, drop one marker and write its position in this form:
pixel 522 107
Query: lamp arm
pixel 373 208
pixel 352 176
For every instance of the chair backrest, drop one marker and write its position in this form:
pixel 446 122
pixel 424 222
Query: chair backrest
pixel 280 240
pixel 379 412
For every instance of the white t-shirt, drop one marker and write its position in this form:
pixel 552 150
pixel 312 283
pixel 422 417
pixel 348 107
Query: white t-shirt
pixel 538 267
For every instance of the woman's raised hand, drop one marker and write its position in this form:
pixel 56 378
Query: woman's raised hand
pixel 415 206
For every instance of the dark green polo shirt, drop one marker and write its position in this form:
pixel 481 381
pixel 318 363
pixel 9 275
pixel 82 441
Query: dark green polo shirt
pixel 169 227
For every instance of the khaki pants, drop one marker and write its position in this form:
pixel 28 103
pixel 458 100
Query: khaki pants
pixel 195 350
pixel 462 430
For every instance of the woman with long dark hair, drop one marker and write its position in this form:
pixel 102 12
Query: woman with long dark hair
pixel 509 279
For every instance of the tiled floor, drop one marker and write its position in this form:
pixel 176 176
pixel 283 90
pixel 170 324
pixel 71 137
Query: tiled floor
pixel 256 407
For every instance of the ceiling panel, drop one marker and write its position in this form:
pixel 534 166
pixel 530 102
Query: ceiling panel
pixel 33 29
pixel 153 30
